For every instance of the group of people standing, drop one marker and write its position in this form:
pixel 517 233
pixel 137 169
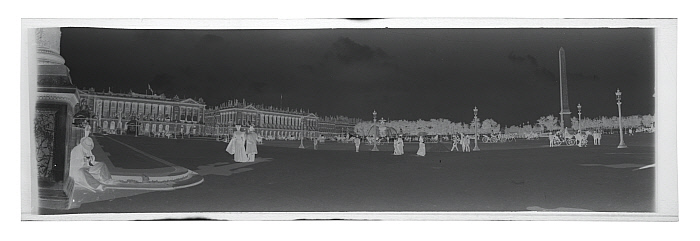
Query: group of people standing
pixel 463 140
pixel 243 146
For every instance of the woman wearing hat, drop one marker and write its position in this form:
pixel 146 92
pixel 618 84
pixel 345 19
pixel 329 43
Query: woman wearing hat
pixel 421 146
pixel 251 144
pixel 237 145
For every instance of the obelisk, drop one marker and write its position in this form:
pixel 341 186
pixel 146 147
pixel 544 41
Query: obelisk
pixel 565 114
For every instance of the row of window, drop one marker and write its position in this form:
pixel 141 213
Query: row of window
pixel 146 111
pixel 264 120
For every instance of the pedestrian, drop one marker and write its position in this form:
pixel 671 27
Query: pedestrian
pixel 399 144
pixel 455 142
pixel 421 146
pixel 251 145
pixel 596 138
pixel 315 143
pixel 357 144
pixel 396 147
pixel 236 146
pixel 465 141
pixel 88 129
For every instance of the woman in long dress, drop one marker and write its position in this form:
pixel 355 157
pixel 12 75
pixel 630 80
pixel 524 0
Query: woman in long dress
pixel 251 144
pixel 237 146
pixel 399 144
pixel 396 147
pixel 85 170
pixel 421 146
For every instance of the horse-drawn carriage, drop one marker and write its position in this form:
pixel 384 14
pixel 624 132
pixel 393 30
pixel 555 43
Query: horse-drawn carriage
pixel 500 137
pixel 567 139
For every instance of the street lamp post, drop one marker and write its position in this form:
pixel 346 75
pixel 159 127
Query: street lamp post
pixel 618 94
pixel 579 117
pixel 476 130
pixel 375 138
pixel 303 133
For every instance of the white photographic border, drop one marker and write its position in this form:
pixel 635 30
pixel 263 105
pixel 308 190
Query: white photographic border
pixel 665 40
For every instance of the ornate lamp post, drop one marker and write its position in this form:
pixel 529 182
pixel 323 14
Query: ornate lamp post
pixel 579 117
pixel 618 94
pixel 476 130
pixel 375 138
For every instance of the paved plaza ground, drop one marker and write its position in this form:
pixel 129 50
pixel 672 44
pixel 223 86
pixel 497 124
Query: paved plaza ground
pixel 525 175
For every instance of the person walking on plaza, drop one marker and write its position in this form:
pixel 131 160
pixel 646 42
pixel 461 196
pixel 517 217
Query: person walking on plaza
pixel 399 144
pixel 315 143
pixel 357 144
pixel 396 147
pixel 465 143
pixel 596 138
pixel 236 146
pixel 455 142
pixel 421 146
pixel 251 146
pixel 88 129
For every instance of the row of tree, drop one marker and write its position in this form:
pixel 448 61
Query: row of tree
pixel 488 126
pixel 431 127
pixel 550 123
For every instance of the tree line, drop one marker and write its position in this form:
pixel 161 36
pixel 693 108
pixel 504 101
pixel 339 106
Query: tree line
pixel 488 126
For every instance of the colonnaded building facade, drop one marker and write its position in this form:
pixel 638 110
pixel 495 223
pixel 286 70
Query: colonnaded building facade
pixel 146 114
pixel 337 126
pixel 273 122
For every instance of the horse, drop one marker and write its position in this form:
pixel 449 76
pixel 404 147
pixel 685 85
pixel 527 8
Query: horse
pixel 552 140
pixel 581 139
pixel 510 137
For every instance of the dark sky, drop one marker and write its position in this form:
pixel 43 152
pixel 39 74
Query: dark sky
pixel 510 74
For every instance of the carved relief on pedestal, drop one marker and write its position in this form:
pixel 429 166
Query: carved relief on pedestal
pixel 44 129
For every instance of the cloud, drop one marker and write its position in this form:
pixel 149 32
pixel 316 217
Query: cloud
pixel 347 51
pixel 544 72
pixel 531 61
pixel 515 58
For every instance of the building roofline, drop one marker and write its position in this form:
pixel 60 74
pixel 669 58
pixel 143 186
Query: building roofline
pixel 136 98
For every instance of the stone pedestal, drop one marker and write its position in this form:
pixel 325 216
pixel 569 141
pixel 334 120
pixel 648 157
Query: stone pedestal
pixel 56 98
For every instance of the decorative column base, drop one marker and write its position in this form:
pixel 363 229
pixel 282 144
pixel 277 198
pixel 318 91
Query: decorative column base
pixel 622 145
